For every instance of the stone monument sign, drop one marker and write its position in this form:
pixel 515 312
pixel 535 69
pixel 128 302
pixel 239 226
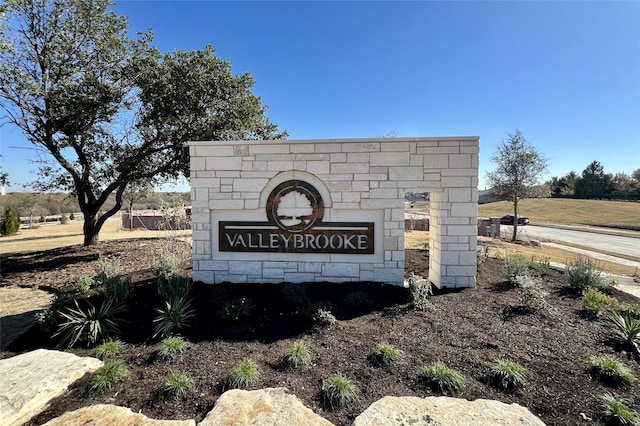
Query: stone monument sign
pixel 331 210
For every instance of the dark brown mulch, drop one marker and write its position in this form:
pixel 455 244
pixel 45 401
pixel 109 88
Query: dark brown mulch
pixel 467 330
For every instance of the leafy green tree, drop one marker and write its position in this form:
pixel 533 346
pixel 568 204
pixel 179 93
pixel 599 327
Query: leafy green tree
pixel 10 223
pixel 520 167
pixel 105 110
pixel 564 186
pixel 594 183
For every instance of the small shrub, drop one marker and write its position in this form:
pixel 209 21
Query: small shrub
pixel 597 303
pixel 109 374
pixel 515 265
pixel 583 273
pixel 339 392
pixel 425 245
pixel 420 290
pixel 508 375
pixel 175 315
pixel 174 287
pixel 72 216
pixel 83 284
pixel 616 411
pixel 10 221
pixel 385 355
pixel 358 299
pixel 90 324
pixel 108 276
pixel 542 266
pixel 324 318
pixel 238 308
pixel 243 375
pixel 611 370
pixel 633 309
pixel 294 294
pixel 177 384
pixel 48 319
pixel 107 350
pixel 532 295
pixel 482 254
pixel 165 266
pixel 438 376
pixel 64 219
pixel 298 355
pixel 172 348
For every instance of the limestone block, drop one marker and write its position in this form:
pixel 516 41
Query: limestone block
pixel 318 167
pixel 107 415
pixel 249 185
pixel 444 411
pixel 243 267
pixel 341 270
pixel 406 173
pixel 271 406
pixel 361 147
pixel 350 168
pixel 389 159
pixel 224 163
pixel 29 381
pixel 269 149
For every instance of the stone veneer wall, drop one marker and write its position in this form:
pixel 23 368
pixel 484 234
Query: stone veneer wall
pixel 359 180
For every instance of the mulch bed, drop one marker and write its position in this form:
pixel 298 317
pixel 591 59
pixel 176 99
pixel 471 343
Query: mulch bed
pixel 468 329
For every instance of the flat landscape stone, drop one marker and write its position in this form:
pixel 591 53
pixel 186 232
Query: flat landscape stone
pixel 29 381
pixel 270 406
pixel 444 411
pixel 108 415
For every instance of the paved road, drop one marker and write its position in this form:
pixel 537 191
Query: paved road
pixel 611 243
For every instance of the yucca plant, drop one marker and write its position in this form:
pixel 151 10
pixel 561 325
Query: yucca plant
pixel 339 392
pixel 616 411
pixel 175 315
pixel 90 324
pixel 243 375
pixel 627 327
pixel 298 355
pixel 177 384
pixel 508 375
pixel 109 374
pixel 107 350
pixel 172 348
pixel 385 355
pixel 440 377
pixel 611 370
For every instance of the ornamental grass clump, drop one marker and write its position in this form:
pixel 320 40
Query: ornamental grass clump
pixel 172 348
pixel 177 384
pixel 615 411
pixel 441 378
pixel 339 392
pixel 298 355
pixel 108 349
pixel 611 370
pixel 109 374
pixel 243 375
pixel 508 375
pixel 385 355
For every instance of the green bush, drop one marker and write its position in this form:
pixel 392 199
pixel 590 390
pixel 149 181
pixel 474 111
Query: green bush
pixel 175 315
pixel 532 295
pixel 385 355
pixel 177 384
pixel 174 287
pixel 237 309
pixel 108 276
pixel 243 375
pixel 107 350
pixel 615 411
pixel 420 290
pixel 610 370
pixel 597 303
pixel 294 294
pixel 542 267
pixel 164 267
pixel 633 309
pixel 508 375
pixel 323 317
pixel 83 284
pixel 48 319
pixel 482 254
pixel 172 348
pixel 298 355
pixel 109 374
pixel 358 299
pixel 339 392
pixel 583 273
pixel 515 265
pixel 10 222
pixel 439 377
pixel 90 324
pixel 72 216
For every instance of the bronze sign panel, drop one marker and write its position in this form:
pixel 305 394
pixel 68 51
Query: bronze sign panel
pixel 294 212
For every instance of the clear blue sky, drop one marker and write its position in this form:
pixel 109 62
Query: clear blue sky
pixel 567 74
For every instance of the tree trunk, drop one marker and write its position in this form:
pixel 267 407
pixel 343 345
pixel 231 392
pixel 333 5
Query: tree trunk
pixel 91 229
pixel 515 220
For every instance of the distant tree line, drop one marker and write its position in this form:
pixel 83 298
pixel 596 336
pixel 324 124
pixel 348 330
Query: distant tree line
pixel 594 183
